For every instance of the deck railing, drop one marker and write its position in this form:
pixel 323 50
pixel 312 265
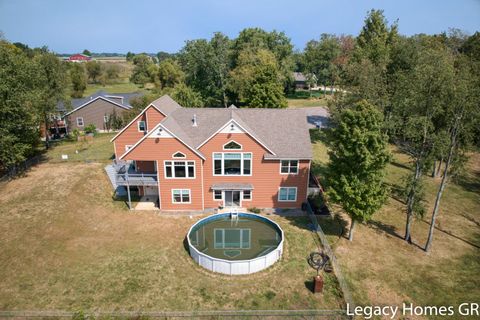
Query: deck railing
pixel 136 179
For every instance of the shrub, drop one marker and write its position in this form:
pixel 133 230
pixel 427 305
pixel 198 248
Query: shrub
pixel 90 128
pixel 254 210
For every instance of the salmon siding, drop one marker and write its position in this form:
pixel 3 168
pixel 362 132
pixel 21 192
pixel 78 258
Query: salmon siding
pixel 219 161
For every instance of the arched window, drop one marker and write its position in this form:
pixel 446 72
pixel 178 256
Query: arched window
pixel 178 154
pixel 232 145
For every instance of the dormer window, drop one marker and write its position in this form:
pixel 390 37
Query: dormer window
pixel 232 145
pixel 179 155
pixel 142 126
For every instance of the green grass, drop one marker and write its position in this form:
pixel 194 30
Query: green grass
pixel 100 149
pixel 120 87
pixel 66 244
pixel 382 269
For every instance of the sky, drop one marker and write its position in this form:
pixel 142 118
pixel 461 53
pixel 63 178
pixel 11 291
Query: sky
pixel 67 26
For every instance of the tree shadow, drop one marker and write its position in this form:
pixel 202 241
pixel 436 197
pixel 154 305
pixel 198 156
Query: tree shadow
pixel 400 165
pixel 396 192
pixel 470 183
pixel 451 234
pixel 383 227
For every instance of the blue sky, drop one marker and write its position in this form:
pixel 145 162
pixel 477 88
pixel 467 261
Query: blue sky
pixel 152 26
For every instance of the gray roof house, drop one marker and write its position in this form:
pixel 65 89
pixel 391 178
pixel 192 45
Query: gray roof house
pixel 95 109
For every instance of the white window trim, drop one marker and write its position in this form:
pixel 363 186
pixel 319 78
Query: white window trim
pixel 173 169
pixel 182 157
pixel 189 196
pixel 296 194
pixel 127 147
pixel 251 195
pixel 241 165
pixel 83 123
pixel 221 192
pixel 144 124
pixel 289 167
pixel 241 147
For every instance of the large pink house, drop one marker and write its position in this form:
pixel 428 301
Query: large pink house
pixel 204 158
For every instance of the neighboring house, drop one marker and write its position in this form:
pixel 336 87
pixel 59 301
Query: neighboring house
pixel 301 80
pixel 79 57
pixel 96 109
pixel 205 158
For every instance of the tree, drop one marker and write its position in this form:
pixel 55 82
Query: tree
pixel 94 70
pixel 20 87
pixel 186 96
pixel 112 71
pixel 257 80
pixel 462 116
pixel 320 57
pixel 140 74
pixel 162 55
pixel 129 56
pixel 87 53
pixel 358 157
pixel 254 39
pixel 418 104
pixel 376 39
pixel 78 79
pixel 54 76
pixel 169 73
pixel 206 65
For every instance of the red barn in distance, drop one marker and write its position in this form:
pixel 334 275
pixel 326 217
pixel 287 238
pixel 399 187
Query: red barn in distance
pixel 79 57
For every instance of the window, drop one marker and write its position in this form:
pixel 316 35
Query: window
pixel 181 195
pixel 289 166
pixel 178 155
pixel 247 194
pixel 232 145
pixel 232 164
pixel 80 121
pixel 287 194
pixel 127 147
pixel 180 169
pixel 231 238
pixel 142 126
pixel 217 195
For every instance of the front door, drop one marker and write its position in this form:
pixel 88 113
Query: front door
pixel 232 198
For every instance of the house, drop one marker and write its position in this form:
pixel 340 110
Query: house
pixel 205 158
pixel 95 109
pixel 301 80
pixel 79 57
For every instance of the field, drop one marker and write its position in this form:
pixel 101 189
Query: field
pixel 67 245
pixel 382 269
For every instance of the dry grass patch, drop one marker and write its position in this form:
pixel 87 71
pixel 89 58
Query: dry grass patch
pixel 67 245
pixel 382 269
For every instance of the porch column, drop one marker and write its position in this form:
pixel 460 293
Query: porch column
pixel 128 193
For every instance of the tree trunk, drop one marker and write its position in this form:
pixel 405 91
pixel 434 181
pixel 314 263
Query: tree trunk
pixel 453 138
pixel 47 131
pixel 439 167
pixel 410 202
pixel 350 234
pixel 434 169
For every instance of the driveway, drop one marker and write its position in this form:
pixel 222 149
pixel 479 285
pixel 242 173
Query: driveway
pixel 317 116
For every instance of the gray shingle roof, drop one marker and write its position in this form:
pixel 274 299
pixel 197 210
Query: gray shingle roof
pixel 283 131
pixel 75 103
pixel 298 76
pixel 166 104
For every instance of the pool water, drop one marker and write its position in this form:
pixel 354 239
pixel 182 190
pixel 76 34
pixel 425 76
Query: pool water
pixel 242 238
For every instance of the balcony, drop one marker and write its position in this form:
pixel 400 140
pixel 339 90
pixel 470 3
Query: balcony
pixel 125 175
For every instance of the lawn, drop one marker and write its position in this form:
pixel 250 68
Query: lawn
pixel 67 245
pixel 100 149
pixel 382 269
pixel 118 87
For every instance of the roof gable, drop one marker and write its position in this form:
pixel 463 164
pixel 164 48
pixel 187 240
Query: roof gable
pixel 95 99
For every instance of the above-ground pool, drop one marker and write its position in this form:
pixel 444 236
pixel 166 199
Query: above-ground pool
pixel 231 245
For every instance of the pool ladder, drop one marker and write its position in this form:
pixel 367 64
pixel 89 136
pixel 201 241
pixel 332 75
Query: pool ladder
pixel 234 214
